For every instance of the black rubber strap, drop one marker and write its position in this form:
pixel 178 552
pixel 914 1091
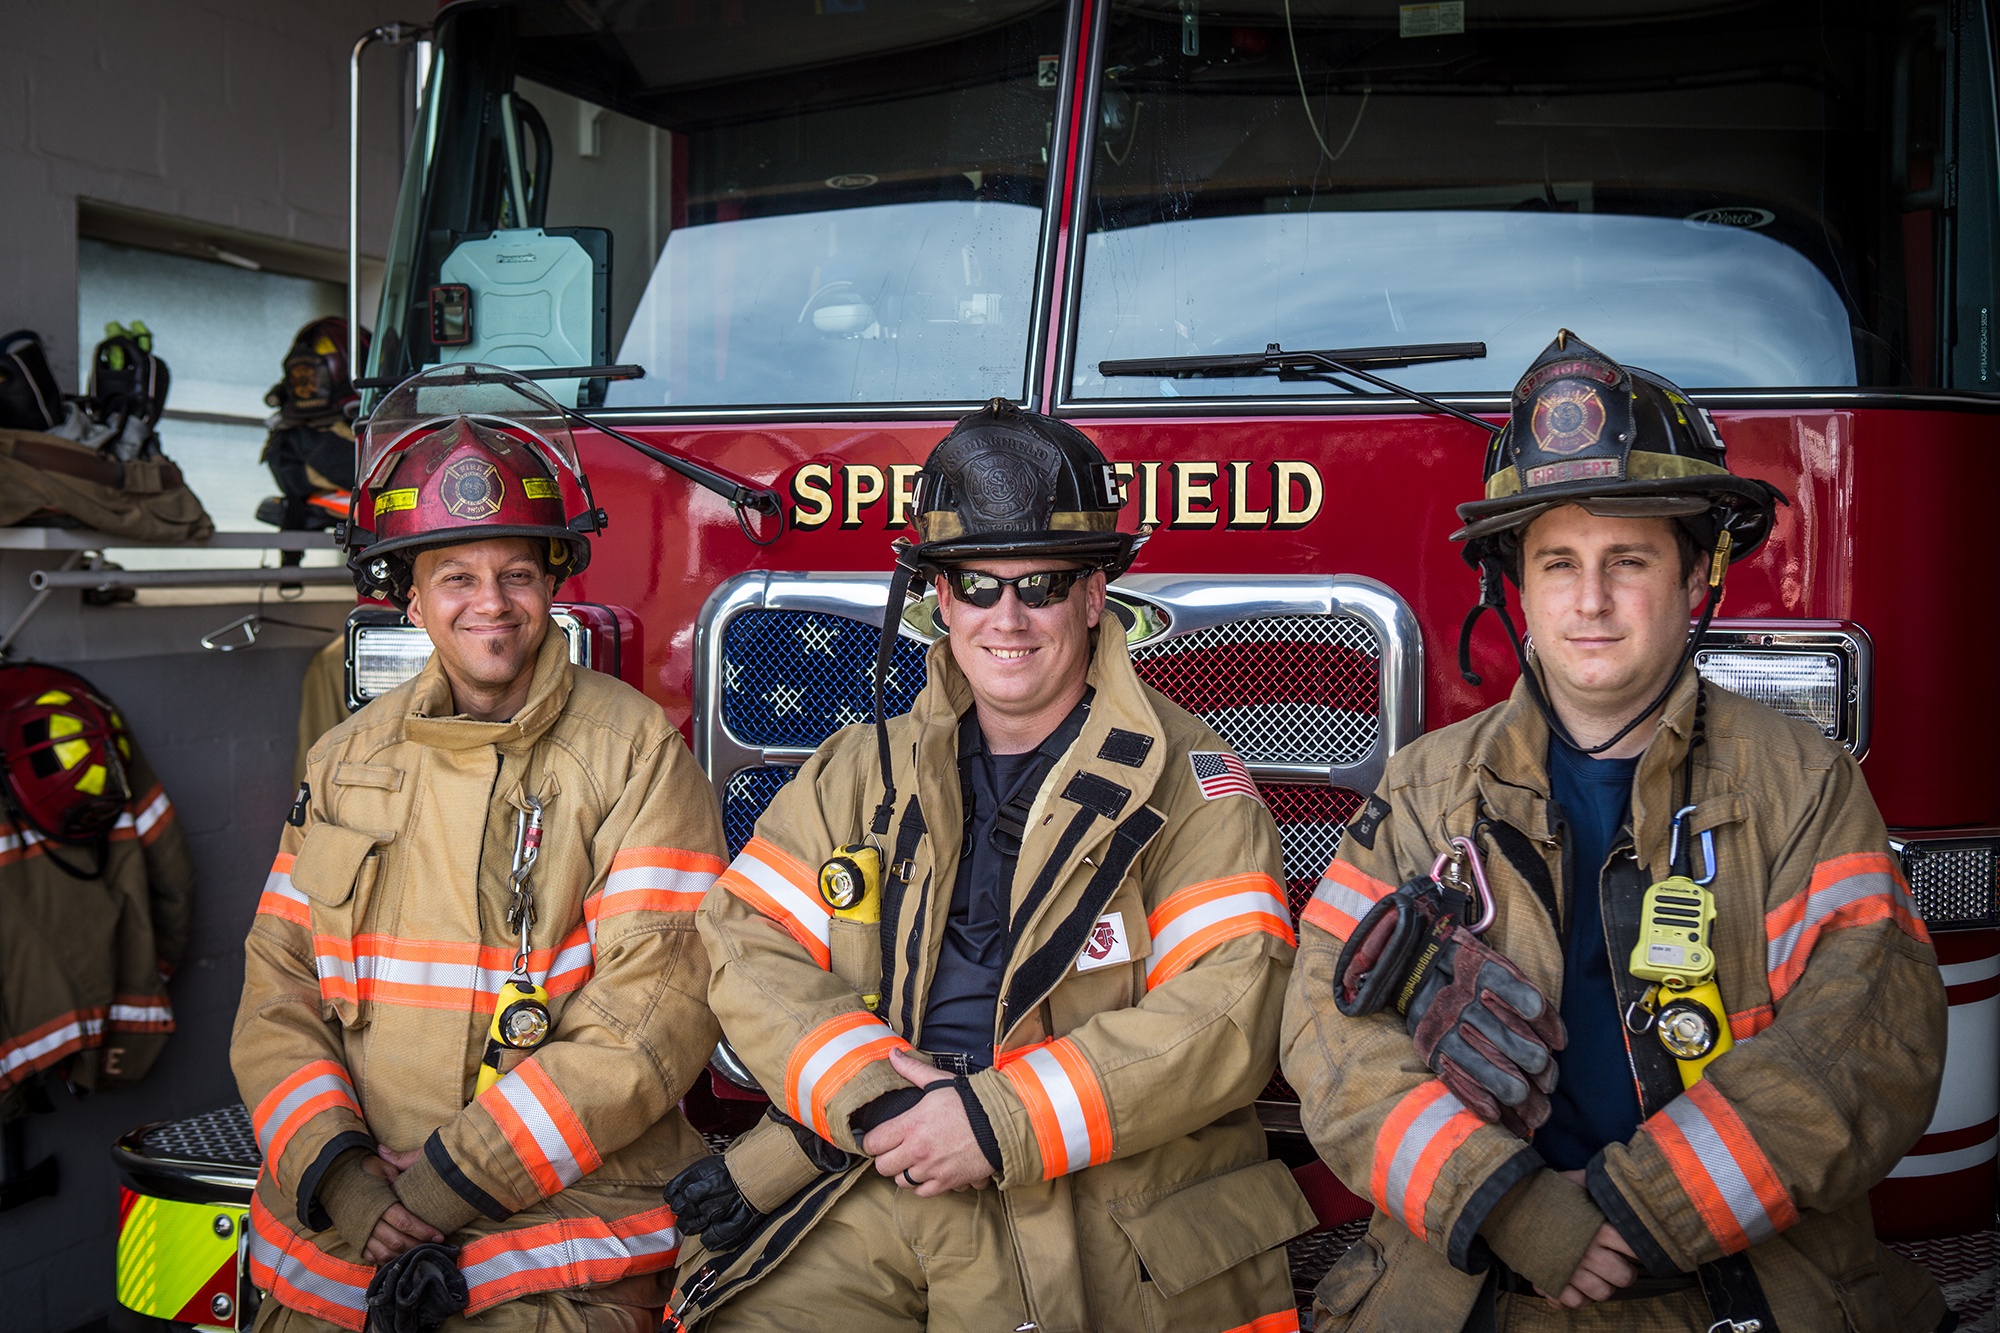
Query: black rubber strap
pixel 1619 1212
pixel 1036 977
pixel 975 1115
pixel 312 1214
pixel 908 834
pixel 461 1184
pixel 1010 821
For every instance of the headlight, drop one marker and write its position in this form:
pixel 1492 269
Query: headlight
pixel 384 649
pixel 1819 675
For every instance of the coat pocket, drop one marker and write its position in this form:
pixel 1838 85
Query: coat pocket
pixel 1188 1235
pixel 1347 1284
pixel 856 953
pixel 336 870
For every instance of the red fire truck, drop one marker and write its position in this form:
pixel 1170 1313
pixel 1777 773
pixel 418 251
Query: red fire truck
pixel 788 243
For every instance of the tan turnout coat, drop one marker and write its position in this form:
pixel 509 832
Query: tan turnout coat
pixel 1122 1100
pixel 380 943
pixel 1834 1003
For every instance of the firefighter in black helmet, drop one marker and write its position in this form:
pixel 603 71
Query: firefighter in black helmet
pixel 1032 938
pixel 1577 907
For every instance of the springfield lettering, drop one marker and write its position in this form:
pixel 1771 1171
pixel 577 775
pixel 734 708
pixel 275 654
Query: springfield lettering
pixel 1234 495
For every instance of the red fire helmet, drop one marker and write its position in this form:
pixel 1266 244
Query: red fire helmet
pixel 63 751
pixel 459 454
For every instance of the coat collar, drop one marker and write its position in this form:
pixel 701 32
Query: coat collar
pixel 429 720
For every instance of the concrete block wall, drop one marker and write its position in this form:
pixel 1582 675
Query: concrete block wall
pixel 229 113
pixel 226 112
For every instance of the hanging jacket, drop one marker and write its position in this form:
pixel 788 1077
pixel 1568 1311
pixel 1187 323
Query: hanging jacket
pixel 379 945
pixel 1138 1007
pixel 1833 998
pixel 84 962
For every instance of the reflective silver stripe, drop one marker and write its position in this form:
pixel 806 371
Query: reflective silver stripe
pixel 1823 903
pixel 297 1097
pixel 1720 1164
pixel 560 1258
pixel 83 1027
pixel 1416 1138
pixel 290 1269
pixel 541 1127
pixel 154 812
pixel 1343 899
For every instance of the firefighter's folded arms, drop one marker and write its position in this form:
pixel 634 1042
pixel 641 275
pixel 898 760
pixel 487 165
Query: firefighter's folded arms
pixel 1614 1001
pixel 474 991
pixel 1011 968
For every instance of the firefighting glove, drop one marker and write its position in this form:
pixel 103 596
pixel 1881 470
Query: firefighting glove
pixel 708 1204
pixel 416 1291
pixel 1475 1020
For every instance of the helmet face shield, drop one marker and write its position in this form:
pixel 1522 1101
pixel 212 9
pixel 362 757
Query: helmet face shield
pixel 489 394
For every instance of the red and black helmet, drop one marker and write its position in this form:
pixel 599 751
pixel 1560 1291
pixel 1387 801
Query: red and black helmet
pixel 319 371
pixel 462 454
pixel 63 754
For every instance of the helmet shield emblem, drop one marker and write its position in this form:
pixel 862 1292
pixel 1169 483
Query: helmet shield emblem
pixel 1003 479
pixel 472 490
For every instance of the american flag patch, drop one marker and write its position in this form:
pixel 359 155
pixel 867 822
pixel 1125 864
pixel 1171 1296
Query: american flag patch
pixel 1220 773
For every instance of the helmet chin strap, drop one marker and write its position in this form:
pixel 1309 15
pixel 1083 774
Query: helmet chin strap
pixel 1493 596
pixel 885 648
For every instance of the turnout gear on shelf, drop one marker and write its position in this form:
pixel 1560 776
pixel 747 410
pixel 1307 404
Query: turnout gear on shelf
pixel 88 936
pixel 1760 1171
pixel 394 874
pixel 1149 939
pixel 1618 442
pixel 319 375
pixel 461 454
pixel 128 392
pixel 30 397
pixel 1479 1024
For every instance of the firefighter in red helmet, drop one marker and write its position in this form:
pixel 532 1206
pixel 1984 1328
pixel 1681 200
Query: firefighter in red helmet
pixel 495 866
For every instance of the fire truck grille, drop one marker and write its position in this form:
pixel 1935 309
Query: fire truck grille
pixel 1281 689
pixel 1310 822
pixel 749 791
pixel 1312 1254
pixel 793 678
pixel 222 1136
pixel 1954 881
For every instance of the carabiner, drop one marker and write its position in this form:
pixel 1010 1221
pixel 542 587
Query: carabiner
pixel 1707 837
pixel 1450 867
pixel 527 849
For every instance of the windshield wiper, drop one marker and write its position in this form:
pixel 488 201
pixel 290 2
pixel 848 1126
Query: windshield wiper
pixel 1310 365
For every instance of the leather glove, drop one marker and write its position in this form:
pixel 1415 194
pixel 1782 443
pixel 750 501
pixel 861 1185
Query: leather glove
pixel 416 1291
pixel 1474 1018
pixel 708 1204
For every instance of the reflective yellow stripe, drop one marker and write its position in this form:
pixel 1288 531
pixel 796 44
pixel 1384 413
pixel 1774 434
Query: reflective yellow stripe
pixel 168 1251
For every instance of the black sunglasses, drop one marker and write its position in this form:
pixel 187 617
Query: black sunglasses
pixel 1044 587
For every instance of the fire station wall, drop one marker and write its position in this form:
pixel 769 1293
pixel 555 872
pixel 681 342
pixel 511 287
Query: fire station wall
pixel 219 729
pixel 229 113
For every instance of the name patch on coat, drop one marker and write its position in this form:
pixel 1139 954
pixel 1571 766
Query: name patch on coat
pixel 1106 944
pixel 1219 773
pixel 1362 830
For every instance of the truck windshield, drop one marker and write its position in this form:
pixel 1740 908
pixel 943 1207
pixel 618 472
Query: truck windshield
pixel 1732 195
pixel 761 205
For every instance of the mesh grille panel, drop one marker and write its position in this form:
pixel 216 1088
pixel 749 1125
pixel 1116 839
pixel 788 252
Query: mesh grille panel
pixel 222 1136
pixel 1280 689
pixel 796 677
pixel 1954 881
pixel 1312 1254
pixel 749 791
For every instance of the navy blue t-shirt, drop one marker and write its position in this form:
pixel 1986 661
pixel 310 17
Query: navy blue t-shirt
pixel 965 990
pixel 1595 1102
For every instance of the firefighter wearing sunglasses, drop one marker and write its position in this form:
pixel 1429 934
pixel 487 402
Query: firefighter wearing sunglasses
pixel 1010 966
pixel 1705 1018
pixel 473 991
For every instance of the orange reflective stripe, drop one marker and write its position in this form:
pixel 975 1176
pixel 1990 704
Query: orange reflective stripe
pixel 47 1043
pixel 1727 1177
pixel 1345 895
pixel 1750 1022
pixel 304 1277
pixel 1196 919
pixel 774 882
pixel 140 1013
pixel 281 898
pixel 1065 1105
pixel 316 1086
pixel 453 975
pixel 1424 1130
pixel 652 879
pixel 541 1127
pixel 1851 890
pixel 830 1055
pixel 1285 1321
pixel 151 814
pixel 573 1252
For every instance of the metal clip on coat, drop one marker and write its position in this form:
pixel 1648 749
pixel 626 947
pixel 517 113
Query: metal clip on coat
pixel 1676 920
pixel 521 1010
